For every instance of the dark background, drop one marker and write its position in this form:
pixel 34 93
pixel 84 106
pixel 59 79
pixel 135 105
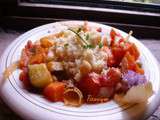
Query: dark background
pixel 143 19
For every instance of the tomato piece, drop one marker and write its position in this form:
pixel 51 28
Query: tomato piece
pixel 133 50
pixel 119 50
pixel 105 42
pixel 111 78
pixel 89 84
pixel 113 34
pixel 111 60
pixel 121 40
pixel 25 55
pixel 99 29
pixel 29 45
pixel 24 77
pixel 38 55
pixel 129 63
pixel 118 53
pixel 23 62
pixel 54 91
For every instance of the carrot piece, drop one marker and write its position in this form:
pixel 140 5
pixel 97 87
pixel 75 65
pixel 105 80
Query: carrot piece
pixel 129 63
pixel 46 42
pixel 134 51
pixel 39 55
pixel 54 91
pixel 36 59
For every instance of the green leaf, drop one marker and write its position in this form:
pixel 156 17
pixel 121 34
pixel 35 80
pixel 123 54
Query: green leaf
pixel 79 29
pixel 87 37
pixel 84 41
pixel 100 45
pixel 66 45
pixel 88 46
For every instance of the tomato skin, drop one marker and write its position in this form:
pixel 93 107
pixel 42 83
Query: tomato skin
pixel 89 84
pixel 38 55
pixel 111 78
pixel 113 34
pixel 99 29
pixel 118 53
pixel 25 55
pixel 129 63
pixel 54 91
pixel 32 54
pixel 24 77
pixel 111 60
pixel 133 50
pixel 105 42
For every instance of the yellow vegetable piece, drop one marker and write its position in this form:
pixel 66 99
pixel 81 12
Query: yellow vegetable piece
pixel 39 75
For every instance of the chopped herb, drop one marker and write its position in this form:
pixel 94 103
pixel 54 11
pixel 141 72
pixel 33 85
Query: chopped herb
pixel 85 46
pixel 79 29
pixel 100 45
pixel 87 37
pixel 88 46
pixel 66 45
pixel 79 36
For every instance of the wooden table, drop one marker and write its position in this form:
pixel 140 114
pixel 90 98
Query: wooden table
pixel 7 36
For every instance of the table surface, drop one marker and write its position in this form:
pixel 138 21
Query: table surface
pixel 7 36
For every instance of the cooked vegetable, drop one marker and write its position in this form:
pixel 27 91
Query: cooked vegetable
pixel 55 66
pixel 128 63
pixel 73 97
pixel 90 84
pixel 54 91
pixel 39 75
pixel 85 67
pixel 136 94
pixel 133 78
pixel 82 63
pixel 111 78
pixel 25 55
pixel 38 55
pixel 46 42
pixel 24 77
pixel 10 69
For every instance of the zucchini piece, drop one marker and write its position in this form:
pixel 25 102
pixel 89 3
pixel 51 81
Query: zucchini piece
pixel 39 75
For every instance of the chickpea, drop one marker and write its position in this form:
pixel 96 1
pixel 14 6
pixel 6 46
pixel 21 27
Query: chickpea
pixel 85 67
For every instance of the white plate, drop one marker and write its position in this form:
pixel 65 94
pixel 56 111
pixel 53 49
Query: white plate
pixel 32 106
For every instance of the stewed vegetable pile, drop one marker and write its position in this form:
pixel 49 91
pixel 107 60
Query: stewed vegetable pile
pixel 82 61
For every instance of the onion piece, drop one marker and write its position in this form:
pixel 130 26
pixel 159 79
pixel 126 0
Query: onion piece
pixel 10 69
pixel 73 97
pixel 136 94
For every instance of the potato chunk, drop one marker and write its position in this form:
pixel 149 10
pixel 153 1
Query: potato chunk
pixel 39 75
